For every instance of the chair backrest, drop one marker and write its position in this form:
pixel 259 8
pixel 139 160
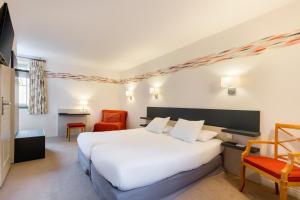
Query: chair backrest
pixel 285 128
pixel 123 114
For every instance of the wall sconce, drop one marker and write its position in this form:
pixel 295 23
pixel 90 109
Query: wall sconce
pixel 83 104
pixel 129 94
pixel 154 92
pixel 230 83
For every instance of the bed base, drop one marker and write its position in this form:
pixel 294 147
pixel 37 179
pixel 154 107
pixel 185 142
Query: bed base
pixel 84 162
pixel 159 190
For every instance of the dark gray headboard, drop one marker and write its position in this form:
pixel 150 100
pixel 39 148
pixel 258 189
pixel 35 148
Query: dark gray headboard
pixel 246 121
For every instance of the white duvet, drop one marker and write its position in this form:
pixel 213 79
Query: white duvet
pixel 88 140
pixel 138 161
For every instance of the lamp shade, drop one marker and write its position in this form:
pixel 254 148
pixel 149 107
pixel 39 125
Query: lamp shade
pixel 128 93
pixel 229 82
pixel 83 102
pixel 154 91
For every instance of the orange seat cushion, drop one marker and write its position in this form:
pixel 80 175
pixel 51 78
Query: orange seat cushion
pixel 75 125
pixel 272 166
pixel 105 126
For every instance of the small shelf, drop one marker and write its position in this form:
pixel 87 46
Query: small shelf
pixel 143 125
pixel 146 118
pixel 241 132
pixel 73 114
pixel 235 145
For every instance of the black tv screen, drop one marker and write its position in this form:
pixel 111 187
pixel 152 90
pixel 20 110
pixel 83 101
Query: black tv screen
pixel 13 61
pixel 6 35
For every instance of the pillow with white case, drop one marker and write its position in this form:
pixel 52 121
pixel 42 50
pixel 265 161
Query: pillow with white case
pixel 206 135
pixel 158 124
pixel 186 130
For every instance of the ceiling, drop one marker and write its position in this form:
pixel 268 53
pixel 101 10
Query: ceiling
pixel 120 34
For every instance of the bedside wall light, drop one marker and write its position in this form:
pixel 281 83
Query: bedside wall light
pixel 154 92
pixel 230 83
pixel 129 94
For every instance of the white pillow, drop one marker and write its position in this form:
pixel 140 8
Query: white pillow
pixel 157 125
pixel 206 135
pixel 168 129
pixel 186 130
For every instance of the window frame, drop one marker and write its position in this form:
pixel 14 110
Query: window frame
pixel 26 71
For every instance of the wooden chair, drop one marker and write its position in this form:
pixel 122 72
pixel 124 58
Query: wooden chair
pixel 283 169
pixel 74 125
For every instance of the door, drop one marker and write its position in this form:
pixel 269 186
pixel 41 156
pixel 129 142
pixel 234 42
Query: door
pixel 5 120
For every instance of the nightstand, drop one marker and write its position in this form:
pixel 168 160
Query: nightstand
pixel 147 120
pixel 232 156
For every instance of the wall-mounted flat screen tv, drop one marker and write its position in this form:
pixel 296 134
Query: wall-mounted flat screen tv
pixel 6 35
pixel 13 61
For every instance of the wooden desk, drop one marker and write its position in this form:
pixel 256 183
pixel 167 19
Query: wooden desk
pixel 66 116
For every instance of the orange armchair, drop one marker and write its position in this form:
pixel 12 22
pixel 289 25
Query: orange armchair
pixel 111 120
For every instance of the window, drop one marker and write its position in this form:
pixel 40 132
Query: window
pixel 22 70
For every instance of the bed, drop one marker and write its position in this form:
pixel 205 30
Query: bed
pixel 166 189
pixel 151 156
pixel 88 140
pixel 137 164
pixel 157 164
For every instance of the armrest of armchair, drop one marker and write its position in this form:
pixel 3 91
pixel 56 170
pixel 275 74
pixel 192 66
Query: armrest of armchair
pixel 289 165
pixel 251 142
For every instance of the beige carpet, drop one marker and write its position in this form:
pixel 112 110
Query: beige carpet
pixel 59 177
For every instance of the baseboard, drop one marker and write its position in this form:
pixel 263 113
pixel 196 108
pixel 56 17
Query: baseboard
pixel 295 192
pixel 292 191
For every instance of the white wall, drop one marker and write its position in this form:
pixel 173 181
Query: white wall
pixel 66 94
pixel 266 80
pixel 269 81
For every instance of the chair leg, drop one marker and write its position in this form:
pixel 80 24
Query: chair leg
pixel 69 135
pixel 276 188
pixel 243 177
pixel 283 191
